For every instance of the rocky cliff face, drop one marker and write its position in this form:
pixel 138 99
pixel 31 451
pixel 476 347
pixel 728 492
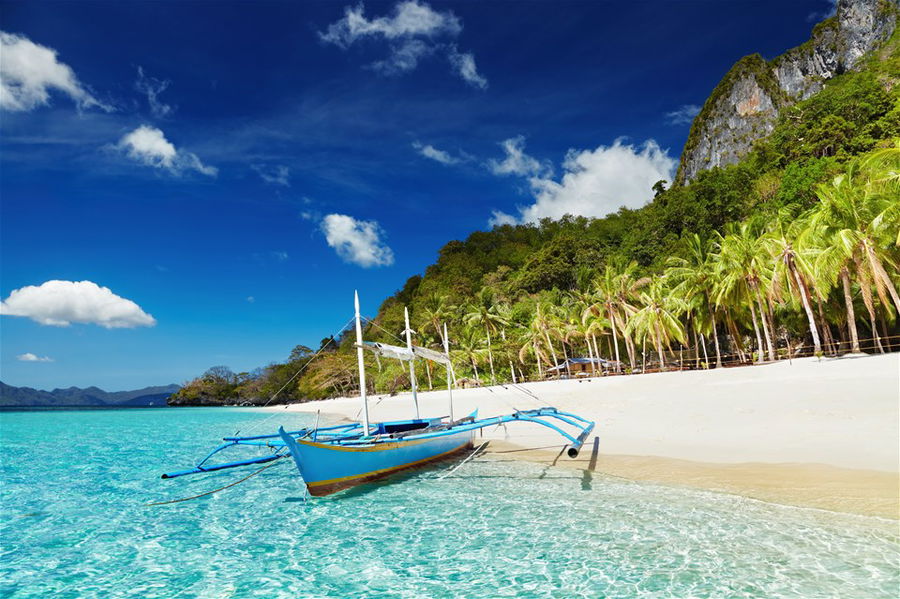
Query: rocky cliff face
pixel 746 103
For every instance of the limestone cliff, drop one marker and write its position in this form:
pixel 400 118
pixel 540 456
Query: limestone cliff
pixel 745 105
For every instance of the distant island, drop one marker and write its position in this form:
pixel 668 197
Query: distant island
pixel 26 397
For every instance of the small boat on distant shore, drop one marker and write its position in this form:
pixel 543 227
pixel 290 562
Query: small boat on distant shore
pixel 333 458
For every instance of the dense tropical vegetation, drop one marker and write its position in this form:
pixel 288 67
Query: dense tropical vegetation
pixel 793 251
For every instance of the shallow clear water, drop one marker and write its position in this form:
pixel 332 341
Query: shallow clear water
pixel 74 485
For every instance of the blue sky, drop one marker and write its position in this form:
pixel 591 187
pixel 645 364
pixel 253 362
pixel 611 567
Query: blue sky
pixel 225 174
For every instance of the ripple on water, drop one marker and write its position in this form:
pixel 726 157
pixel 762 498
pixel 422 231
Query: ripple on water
pixel 74 525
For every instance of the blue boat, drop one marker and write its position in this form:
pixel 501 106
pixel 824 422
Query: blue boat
pixel 333 458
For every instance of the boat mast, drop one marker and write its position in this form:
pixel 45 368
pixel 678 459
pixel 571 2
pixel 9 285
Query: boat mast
pixel 449 367
pixel 362 366
pixel 412 363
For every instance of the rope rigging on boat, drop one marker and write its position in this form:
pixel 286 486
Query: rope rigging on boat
pixel 257 424
pixel 234 484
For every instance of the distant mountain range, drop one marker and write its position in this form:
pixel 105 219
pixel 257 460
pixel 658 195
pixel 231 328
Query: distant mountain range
pixel 90 397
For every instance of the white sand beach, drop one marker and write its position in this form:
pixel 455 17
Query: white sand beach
pixel 820 433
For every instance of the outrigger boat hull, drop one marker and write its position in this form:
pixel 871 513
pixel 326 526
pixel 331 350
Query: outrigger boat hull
pixel 328 468
pixel 337 457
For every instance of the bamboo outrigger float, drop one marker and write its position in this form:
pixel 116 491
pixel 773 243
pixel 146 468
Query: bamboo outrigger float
pixel 333 458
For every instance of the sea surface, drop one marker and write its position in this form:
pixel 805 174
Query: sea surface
pixel 75 523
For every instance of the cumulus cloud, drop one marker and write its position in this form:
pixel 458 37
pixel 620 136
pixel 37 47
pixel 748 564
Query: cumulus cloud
pixel 60 303
pixel 149 146
pixel 500 218
pixel 357 241
pixel 30 357
pixel 413 32
pixel 29 72
pixel 683 115
pixel 152 88
pixel 429 151
pixel 517 162
pixel 597 182
pixel 276 174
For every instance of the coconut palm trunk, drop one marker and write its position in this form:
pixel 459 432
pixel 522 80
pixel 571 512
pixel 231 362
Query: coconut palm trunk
pixel 759 343
pixel 629 348
pixel 552 351
pixel 765 327
pixel 804 296
pixel 490 357
pixel 881 276
pixel 612 320
pixel 587 342
pixel 875 332
pixel 827 338
pixel 712 318
pixel 696 347
pixel 659 347
pixel 566 358
pixel 735 336
pixel 705 355
pixel 851 316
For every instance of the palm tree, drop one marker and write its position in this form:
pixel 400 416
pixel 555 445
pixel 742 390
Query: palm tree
pixel 694 278
pixel 586 324
pixel 616 289
pixel 858 218
pixel 532 342
pixel 436 309
pixel 793 265
pixel 484 312
pixel 658 317
pixel 743 272
pixel 470 350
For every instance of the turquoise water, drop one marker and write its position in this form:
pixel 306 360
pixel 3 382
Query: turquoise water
pixel 74 524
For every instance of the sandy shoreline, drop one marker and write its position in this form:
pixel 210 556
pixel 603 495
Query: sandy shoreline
pixel 817 433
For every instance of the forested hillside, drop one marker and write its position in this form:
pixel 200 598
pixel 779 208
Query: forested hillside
pixel 793 250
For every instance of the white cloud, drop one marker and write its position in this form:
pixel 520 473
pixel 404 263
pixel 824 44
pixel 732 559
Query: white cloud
pixel 29 71
pixel 465 66
pixel 250 299
pixel 684 115
pixel 60 303
pixel 500 218
pixel 597 182
pixel 149 146
pixel 429 151
pixel 403 58
pixel 152 88
pixel 276 174
pixel 357 241
pixel 823 14
pixel 517 162
pixel 409 19
pixel 30 357
pixel 412 33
